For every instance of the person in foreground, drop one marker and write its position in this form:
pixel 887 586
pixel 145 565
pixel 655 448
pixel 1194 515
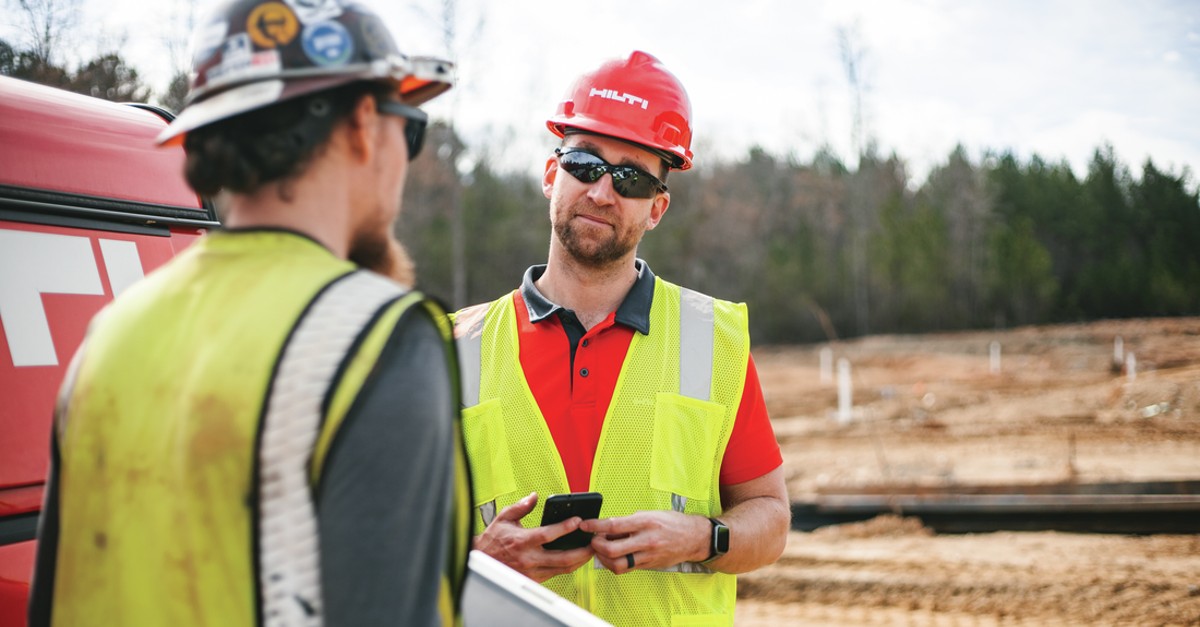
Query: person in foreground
pixel 596 375
pixel 264 431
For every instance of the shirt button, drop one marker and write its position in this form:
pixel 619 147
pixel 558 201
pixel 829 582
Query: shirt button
pixel 585 343
pixel 583 372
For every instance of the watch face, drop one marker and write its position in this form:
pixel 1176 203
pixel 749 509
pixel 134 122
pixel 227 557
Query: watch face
pixel 720 540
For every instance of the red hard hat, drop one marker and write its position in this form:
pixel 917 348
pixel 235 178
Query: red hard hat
pixel 636 100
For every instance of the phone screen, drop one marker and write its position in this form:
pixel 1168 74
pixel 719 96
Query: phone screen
pixel 560 507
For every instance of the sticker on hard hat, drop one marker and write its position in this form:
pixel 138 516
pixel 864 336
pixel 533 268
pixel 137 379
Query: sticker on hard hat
pixel 311 11
pixel 272 24
pixel 328 43
pixel 238 63
pixel 207 40
pixel 613 94
pixel 237 51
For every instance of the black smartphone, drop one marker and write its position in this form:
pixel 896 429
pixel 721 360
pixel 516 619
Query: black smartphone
pixel 560 507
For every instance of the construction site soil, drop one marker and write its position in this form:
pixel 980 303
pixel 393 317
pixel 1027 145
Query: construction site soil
pixel 940 410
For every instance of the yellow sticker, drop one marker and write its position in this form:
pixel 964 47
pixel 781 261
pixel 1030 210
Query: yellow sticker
pixel 272 24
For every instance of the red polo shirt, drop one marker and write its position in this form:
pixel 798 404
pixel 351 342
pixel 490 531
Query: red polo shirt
pixel 572 373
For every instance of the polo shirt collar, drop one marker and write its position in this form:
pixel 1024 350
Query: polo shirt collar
pixel 633 312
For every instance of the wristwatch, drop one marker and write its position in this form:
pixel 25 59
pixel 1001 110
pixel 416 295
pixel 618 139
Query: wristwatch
pixel 719 545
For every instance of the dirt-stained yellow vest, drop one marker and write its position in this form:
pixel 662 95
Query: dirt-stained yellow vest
pixel 158 472
pixel 661 446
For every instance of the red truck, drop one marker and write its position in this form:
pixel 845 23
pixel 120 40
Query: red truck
pixel 88 205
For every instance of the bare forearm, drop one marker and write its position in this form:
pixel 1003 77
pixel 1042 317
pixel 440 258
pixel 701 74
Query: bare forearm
pixel 758 529
pixel 758 516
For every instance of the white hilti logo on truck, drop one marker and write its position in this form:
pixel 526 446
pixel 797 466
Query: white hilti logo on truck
pixel 613 94
pixel 32 264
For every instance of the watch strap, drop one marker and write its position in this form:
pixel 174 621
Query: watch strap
pixel 718 542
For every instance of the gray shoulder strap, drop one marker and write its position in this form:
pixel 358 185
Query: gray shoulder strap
pixel 289 567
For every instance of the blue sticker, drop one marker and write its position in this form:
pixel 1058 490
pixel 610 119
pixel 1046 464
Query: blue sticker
pixel 328 43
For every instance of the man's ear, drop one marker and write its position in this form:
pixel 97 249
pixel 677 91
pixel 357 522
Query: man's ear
pixel 548 177
pixel 362 128
pixel 658 209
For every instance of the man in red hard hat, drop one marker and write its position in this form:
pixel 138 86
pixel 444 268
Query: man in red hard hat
pixel 597 376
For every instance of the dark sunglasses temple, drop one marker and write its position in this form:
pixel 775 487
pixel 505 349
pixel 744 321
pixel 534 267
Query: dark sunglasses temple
pixel 414 132
pixel 414 127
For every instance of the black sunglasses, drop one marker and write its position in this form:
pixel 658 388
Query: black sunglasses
pixel 627 180
pixel 414 129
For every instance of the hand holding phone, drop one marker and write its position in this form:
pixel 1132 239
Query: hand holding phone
pixel 560 507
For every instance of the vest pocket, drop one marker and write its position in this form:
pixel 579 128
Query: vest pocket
pixel 487 451
pixel 686 431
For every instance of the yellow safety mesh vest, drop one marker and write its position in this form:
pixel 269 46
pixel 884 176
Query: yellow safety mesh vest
pixel 158 456
pixel 660 447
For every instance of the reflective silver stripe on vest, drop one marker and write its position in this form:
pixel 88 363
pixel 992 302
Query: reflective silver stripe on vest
pixel 470 357
pixel 695 344
pixel 686 567
pixel 487 512
pixel 696 329
pixel 470 364
pixel 682 567
pixel 288 555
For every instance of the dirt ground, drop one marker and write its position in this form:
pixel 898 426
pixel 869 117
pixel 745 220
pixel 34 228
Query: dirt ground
pixel 932 410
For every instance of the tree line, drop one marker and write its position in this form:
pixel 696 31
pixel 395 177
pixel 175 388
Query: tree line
pixel 818 249
pixel 106 76
pixel 48 30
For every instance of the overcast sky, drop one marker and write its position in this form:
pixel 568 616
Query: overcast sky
pixel 1055 78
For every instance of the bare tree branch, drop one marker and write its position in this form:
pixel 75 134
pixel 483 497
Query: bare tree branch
pixel 47 24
